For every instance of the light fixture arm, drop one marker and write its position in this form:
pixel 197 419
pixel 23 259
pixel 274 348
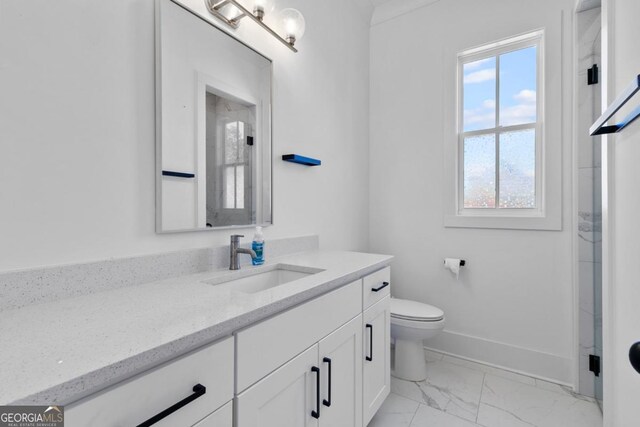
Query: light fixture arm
pixel 215 6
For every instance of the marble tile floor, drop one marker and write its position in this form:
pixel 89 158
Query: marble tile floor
pixel 460 393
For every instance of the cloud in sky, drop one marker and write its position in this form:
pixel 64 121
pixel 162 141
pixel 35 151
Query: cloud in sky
pixel 524 111
pixel 525 96
pixel 479 118
pixel 480 76
pixel 489 103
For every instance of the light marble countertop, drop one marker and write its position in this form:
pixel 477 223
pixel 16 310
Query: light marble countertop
pixel 59 352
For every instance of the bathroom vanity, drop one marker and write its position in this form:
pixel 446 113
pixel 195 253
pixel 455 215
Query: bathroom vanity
pixel 322 362
pixel 302 340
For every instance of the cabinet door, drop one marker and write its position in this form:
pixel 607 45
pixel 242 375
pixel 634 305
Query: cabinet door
pixel 341 384
pixel 285 398
pixel 376 355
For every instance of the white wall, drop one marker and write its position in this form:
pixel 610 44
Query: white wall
pixel 513 305
pixel 77 130
pixel 621 204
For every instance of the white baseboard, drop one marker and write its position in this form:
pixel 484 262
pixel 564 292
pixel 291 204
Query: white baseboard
pixel 545 366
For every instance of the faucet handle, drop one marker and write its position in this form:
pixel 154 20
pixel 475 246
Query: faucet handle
pixel 236 237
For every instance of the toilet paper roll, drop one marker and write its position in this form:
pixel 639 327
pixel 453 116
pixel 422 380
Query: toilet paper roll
pixel 453 265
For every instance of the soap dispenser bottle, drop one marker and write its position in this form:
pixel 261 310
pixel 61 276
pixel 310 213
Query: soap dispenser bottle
pixel 258 247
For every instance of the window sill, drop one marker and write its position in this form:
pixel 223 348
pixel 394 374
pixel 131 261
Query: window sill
pixel 503 222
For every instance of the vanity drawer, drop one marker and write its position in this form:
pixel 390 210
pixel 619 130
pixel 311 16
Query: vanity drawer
pixel 376 286
pixel 142 397
pixel 264 347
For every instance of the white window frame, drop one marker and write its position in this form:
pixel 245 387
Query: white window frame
pixel 515 218
pixel 534 40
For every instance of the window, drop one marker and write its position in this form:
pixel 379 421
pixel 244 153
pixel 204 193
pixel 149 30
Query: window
pixel 500 129
pixel 235 160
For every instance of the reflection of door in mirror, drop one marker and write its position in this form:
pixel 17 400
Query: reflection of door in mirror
pixel 229 165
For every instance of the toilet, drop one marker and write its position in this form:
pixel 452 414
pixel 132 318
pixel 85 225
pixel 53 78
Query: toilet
pixel 411 323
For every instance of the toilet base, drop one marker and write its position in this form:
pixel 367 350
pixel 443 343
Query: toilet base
pixel 410 363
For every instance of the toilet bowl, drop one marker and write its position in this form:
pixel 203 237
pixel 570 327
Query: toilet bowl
pixel 413 322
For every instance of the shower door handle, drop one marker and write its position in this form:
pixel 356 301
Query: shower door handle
pixel 634 356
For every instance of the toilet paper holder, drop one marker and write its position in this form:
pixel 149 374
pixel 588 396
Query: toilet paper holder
pixel 462 262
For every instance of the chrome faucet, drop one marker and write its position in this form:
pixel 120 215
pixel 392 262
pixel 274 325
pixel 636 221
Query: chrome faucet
pixel 234 250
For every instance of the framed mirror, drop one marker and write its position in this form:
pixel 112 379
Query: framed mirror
pixel 213 126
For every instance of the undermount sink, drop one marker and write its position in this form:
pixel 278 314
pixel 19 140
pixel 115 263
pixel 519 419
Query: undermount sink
pixel 251 282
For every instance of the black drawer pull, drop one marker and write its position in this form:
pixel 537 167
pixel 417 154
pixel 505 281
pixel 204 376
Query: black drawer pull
pixel 198 390
pixel 327 402
pixel 381 287
pixel 369 358
pixel 634 356
pixel 316 413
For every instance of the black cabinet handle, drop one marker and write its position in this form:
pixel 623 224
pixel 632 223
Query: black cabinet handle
pixel 381 287
pixel 634 356
pixel 370 357
pixel 198 390
pixel 327 402
pixel 316 413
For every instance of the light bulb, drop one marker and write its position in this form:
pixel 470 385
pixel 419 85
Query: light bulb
pixel 262 7
pixel 293 25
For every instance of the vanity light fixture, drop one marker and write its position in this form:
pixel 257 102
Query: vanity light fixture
pixel 261 7
pixel 293 24
pixel 231 13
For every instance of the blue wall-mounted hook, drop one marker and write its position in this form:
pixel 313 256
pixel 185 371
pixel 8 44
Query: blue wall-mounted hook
pixel 178 174
pixel 295 158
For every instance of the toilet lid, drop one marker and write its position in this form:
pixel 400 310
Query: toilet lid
pixel 414 310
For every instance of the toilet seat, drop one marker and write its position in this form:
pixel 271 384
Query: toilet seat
pixel 418 325
pixel 413 311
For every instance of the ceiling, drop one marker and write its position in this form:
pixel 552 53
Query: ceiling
pixel 383 10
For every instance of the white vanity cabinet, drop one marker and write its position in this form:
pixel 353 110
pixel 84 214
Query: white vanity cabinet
pixel 376 341
pixel 377 357
pixel 322 386
pixel 341 375
pixel 324 363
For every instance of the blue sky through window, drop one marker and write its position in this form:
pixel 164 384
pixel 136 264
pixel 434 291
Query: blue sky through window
pixel 518 87
pixel 517 90
pixel 480 94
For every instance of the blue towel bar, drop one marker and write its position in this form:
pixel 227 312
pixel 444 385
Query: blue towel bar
pixel 599 127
